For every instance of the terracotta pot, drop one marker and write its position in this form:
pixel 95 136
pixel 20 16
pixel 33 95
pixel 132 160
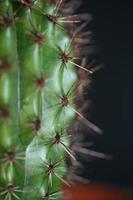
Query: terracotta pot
pixel 80 191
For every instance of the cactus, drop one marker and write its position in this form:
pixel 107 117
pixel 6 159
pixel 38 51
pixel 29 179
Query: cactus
pixel 39 80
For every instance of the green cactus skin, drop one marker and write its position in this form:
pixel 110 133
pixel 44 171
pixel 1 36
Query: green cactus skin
pixel 38 80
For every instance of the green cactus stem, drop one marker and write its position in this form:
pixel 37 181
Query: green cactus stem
pixel 38 84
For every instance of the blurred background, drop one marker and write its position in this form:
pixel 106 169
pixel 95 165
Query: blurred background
pixel 113 90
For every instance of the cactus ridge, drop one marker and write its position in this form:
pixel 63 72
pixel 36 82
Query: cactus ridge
pixel 41 77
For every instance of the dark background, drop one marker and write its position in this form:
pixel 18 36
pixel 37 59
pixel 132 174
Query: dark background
pixel 113 94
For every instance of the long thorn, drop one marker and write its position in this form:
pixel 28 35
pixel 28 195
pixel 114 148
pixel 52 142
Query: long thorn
pixel 87 122
pixel 81 67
